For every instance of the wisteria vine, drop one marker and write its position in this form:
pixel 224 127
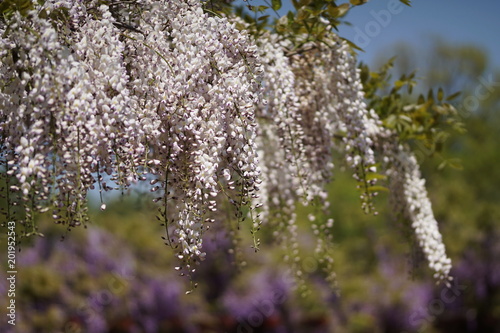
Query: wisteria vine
pixel 206 113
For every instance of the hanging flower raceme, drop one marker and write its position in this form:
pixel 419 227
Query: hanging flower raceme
pixel 332 97
pixel 409 196
pixel 313 94
pixel 67 113
pixel 327 101
pixel 165 92
pixel 201 93
pixel 169 97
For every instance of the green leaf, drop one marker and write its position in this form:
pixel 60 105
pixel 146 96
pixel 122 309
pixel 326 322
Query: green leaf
pixel 358 2
pixel 276 4
pixel 398 84
pixel 351 44
pixel 453 96
pixel 421 99
pixel 303 14
pixel 430 96
pixel 440 94
pixel 7 7
pixel 338 11
pixel 406 2
pixel 257 9
pixel 410 89
pixel 442 165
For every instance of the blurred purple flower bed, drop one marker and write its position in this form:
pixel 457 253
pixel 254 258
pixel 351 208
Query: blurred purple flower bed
pixel 97 281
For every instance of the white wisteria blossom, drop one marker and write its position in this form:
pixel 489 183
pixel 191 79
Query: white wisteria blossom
pixel 409 197
pixel 109 93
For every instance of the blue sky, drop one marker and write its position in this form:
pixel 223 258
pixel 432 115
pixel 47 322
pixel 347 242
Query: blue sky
pixel 457 21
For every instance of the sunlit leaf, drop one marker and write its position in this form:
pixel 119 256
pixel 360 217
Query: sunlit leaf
pixel 338 11
pixel 302 14
pixel 440 94
pixel 351 44
pixel 398 84
pixel 442 165
pixel 276 4
pixel 257 9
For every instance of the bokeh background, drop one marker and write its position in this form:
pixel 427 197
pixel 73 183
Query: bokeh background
pixel 118 276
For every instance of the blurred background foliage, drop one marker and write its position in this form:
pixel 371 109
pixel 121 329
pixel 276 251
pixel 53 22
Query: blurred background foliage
pixel 118 276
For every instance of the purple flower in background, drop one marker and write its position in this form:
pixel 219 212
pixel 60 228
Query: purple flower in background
pixel 158 303
pixel 38 252
pixel 104 251
pixel 262 304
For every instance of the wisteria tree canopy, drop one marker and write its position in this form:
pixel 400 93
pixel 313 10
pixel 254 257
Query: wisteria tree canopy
pixel 229 119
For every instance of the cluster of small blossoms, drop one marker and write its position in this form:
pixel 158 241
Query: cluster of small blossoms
pixel 67 112
pixel 164 92
pixel 327 101
pixel 409 196
pixel 170 99
pixel 332 101
pixel 32 95
pixel 280 146
pixel 337 87
pixel 312 94
pixel 193 79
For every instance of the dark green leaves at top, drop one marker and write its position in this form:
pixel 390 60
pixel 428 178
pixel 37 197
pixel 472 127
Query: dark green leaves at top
pixel 7 7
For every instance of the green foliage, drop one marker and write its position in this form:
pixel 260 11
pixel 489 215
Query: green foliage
pixel 425 121
pixel 8 7
pixel 276 4
pixel 312 18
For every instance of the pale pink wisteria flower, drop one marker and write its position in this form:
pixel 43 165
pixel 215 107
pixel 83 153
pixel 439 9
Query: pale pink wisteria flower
pixel 166 92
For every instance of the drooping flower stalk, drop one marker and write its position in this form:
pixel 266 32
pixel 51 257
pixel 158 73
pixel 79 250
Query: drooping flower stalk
pixel 409 196
pixel 165 92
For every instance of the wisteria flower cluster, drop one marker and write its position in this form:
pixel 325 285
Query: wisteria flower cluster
pixel 211 117
pixel 410 197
